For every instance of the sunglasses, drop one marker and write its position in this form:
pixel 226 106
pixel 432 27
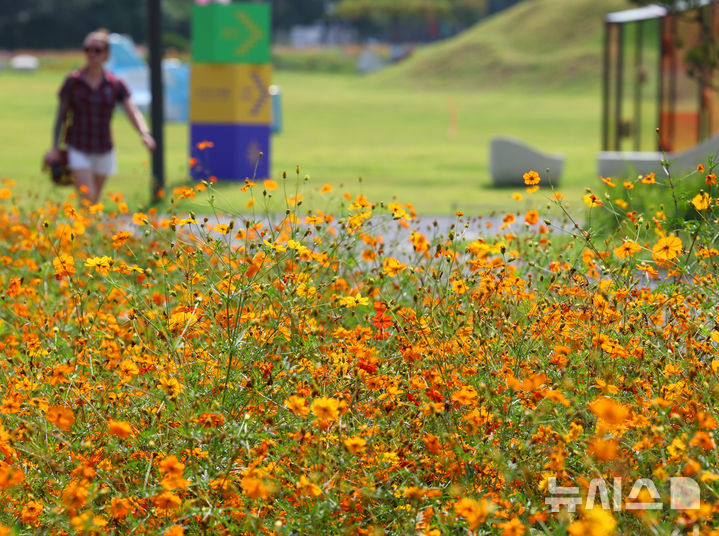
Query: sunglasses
pixel 96 50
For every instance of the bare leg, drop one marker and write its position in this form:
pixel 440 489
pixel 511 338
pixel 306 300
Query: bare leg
pixel 85 184
pixel 99 183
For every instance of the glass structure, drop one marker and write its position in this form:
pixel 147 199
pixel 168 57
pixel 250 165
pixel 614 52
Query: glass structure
pixel 661 74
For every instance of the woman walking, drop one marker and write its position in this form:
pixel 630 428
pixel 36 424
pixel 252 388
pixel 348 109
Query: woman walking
pixel 89 96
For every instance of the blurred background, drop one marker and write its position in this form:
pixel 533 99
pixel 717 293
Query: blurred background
pixel 398 100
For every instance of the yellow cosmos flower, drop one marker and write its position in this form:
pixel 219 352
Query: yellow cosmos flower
pixel 701 201
pixel 356 444
pixel 326 409
pixel 667 249
pixel 101 264
pixel 354 301
pixel 392 266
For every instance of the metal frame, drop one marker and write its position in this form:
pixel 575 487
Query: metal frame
pixel 613 83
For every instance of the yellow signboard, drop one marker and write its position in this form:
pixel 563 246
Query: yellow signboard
pixel 230 93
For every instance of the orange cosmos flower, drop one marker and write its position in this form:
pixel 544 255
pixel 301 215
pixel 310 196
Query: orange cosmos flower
pixel 10 476
pixel 475 513
pixel 64 266
pixel 31 512
pixel 167 500
pixel 270 185
pixel 172 466
pixel 465 396
pixel 700 168
pixel 711 179
pixel 592 200
pixel 175 530
pixel 628 185
pixel 604 449
pixel 210 420
pixel 513 527
pixel 627 249
pixel 75 495
pixel 297 405
pixel 611 412
pixel 649 179
pixel 120 508
pixel 307 488
pixel 119 429
pixel 140 218
pixel 61 417
pixel 255 488
pixel 531 217
pixel 608 182
pixel 86 523
pixel 531 178
pixel 667 249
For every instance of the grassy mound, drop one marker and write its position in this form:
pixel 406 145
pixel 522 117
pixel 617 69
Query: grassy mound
pixel 537 43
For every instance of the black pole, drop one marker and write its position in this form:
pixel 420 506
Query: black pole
pixel 606 87
pixel 638 81
pixel 154 18
pixel 619 95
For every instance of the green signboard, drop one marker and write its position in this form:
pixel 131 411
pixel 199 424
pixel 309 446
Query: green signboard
pixel 231 33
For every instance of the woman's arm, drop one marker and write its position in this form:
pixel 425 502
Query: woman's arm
pixel 53 154
pixel 138 121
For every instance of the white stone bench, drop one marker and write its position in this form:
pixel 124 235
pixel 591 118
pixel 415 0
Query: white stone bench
pixel 623 164
pixel 510 159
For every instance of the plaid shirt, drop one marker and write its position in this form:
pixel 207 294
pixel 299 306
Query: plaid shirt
pixel 89 130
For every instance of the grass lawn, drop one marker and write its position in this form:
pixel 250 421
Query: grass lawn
pixel 339 128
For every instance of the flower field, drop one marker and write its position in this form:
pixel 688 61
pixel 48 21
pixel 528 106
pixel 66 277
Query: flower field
pixel 351 373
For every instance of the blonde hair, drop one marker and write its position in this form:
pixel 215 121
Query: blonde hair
pixel 101 34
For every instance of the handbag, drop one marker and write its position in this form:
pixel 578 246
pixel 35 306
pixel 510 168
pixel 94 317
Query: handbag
pixel 60 172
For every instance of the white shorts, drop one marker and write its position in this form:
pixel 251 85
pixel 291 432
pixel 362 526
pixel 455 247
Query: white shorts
pixel 98 163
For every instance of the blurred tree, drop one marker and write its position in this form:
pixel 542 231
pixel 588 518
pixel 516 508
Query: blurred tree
pixel 401 21
pixel 52 24
pixel 287 13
